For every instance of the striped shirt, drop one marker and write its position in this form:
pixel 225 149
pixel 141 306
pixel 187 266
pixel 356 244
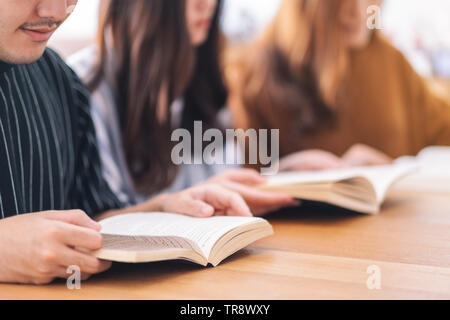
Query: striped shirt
pixel 48 151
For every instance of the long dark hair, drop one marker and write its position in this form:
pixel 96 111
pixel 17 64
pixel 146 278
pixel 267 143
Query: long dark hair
pixel 152 48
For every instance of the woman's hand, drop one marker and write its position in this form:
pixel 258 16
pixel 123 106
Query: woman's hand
pixel 311 160
pixel 363 155
pixel 243 181
pixel 232 193
pixel 356 156
pixel 220 196
pixel 205 200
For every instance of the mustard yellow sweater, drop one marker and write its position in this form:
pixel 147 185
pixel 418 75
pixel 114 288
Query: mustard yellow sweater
pixel 390 107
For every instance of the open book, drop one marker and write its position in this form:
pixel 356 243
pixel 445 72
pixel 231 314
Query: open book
pixel 361 189
pixel 146 237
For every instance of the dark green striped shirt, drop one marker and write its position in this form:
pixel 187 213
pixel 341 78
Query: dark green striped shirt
pixel 48 150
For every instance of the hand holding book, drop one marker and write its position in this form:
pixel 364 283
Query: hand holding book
pixel 243 181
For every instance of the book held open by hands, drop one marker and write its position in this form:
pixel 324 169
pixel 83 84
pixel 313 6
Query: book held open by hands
pixel 147 237
pixel 361 189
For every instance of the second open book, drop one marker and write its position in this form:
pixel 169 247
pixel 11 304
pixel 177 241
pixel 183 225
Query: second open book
pixel 359 189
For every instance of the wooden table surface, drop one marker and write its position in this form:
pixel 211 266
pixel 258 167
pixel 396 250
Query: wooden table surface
pixel 315 253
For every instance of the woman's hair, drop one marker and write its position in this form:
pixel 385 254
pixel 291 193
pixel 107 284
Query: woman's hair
pixel 299 63
pixel 152 53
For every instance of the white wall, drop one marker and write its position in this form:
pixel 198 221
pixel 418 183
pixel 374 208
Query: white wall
pixel 79 29
pixel 420 28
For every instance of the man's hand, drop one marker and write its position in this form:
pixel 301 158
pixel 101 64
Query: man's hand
pixel 243 181
pixel 39 247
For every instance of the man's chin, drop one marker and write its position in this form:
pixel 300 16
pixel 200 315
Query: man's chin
pixel 25 55
pixel 32 56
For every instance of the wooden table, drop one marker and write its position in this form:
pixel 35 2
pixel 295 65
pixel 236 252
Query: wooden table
pixel 314 254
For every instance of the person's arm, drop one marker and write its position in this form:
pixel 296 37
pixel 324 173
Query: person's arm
pixel 436 115
pixel 429 113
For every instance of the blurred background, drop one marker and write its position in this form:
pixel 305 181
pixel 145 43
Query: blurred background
pixel 419 28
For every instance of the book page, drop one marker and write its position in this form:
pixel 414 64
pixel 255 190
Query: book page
pixel 133 243
pixel 203 231
pixel 381 177
pixel 433 174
